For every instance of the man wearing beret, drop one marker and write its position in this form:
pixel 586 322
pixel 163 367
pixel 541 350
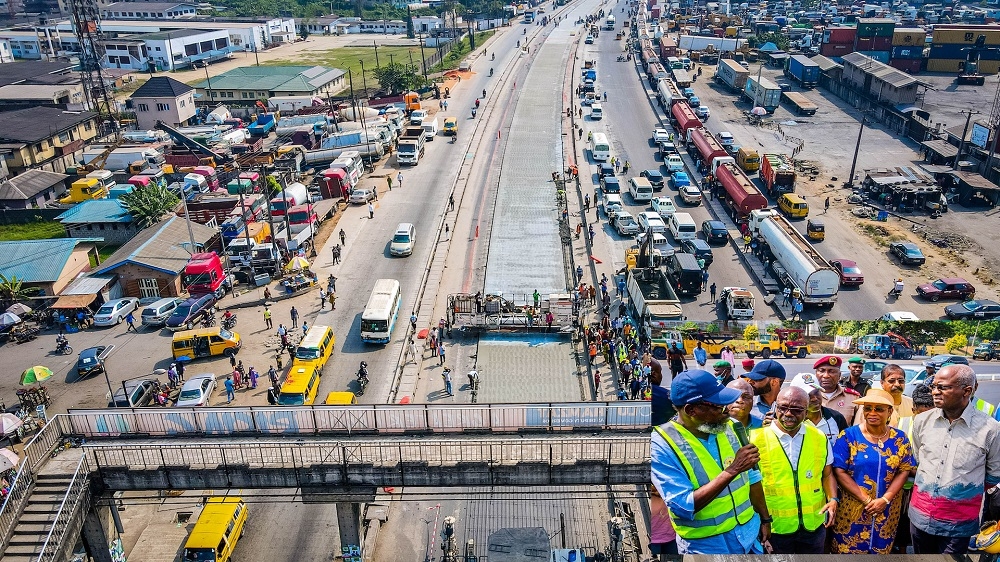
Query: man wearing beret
pixel 854 380
pixel 724 372
pixel 835 396
pixel 705 473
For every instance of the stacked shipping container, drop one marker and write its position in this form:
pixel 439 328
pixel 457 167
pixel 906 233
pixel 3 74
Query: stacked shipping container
pixel 950 41
pixel 874 38
pixel 908 45
pixel 838 41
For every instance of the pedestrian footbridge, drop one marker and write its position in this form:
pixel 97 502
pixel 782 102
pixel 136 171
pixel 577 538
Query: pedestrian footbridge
pixel 332 453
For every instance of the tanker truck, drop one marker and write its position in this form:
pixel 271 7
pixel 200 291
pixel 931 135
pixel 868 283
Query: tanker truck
pixel 797 264
pixel 740 194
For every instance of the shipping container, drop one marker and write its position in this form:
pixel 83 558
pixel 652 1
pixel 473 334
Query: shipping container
pixel 881 56
pixel 907 53
pixel 955 66
pixel 840 35
pixel 802 69
pixel 904 36
pixel 957 51
pixel 835 50
pixel 911 66
pixel 881 43
pixel 875 27
pixel 966 34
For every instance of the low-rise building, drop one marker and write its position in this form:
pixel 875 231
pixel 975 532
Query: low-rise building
pixel 880 81
pixel 247 84
pixel 107 218
pixel 41 83
pixel 25 143
pixel 150 264
pixel 149 10
pixel 162 98
pixel 183 48
pixel 34 189
pixel 48 265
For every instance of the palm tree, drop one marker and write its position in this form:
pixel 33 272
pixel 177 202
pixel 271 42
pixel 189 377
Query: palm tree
pixel 12 290
pixel 149 204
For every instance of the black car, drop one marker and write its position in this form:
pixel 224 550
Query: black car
pixel 605 170
pixel 715 232
pixel 941 360
pixel 140 393
pixel 655 178
pixel 90 362
pixel 699 248
pixel 190 312
pixel 977 308
pixel 908 253
pixel 611 184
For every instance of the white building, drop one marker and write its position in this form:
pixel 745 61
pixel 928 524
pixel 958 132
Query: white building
pixel 386 27
pixel 170 50
pixel 425 24
pixel 6 55
pixel 149 10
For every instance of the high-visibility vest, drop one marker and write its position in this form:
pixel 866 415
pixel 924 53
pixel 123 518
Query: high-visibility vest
pixel 906 426
pixel 794 498
pixel 732 506
pixel 985 407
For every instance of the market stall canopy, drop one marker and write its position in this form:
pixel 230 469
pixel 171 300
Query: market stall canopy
pixel 296 263
pixel 8 459
pixel 9 319
pixel 19 308
pixel 71 302
pixel 35 374
pixel 9 424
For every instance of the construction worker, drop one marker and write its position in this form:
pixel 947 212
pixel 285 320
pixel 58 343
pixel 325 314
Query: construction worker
pixel 704 475
pixel 796 466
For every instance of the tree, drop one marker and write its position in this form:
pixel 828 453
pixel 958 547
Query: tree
pixel 751 333
pixel 13 290
pixel 396 77
pixel 779 39
pixel 956 342
pixel 149 204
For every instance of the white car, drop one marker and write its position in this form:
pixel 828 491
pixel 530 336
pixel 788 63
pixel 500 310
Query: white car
pixel 726 138
pixel 691 195
pixel 113 312
pixel 650 220
pixel 362 195
pixel 702 112
pixel 612 204
pixel 197 391
pixel 664 206
pixel 660 135
pixel 417 117
pixel 674 162
pixel 625 223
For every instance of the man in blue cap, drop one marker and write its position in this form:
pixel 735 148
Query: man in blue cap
pixel 766 379
pixel 705 473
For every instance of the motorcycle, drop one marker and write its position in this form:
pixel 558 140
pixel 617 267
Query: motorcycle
pixel 62 346
pixel 895 292
pixel 473 113
pixel 362 378
pixel 229 322
pixel 493 56
pixel 208 321
pixel 491 72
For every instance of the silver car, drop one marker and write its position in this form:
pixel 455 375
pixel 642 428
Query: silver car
pixel 197 391
pixel 113 312
pixel 362 195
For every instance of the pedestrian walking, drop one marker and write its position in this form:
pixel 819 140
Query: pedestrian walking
pixel 253 378
pixel 388 181
pixel 451 202
pixel 590 232
pixel 786 296
pixel 294 314
pixel 711 291
pixel 549 319
pixel 332 284
pixel 579 273
pixel 586 202
pixel 230 389
pixel 180 371
pixel 305 327
pixel 322 300
pixel 826 205
pixel 267 318
pixel 704 279
pixel 537 297
pixel 797 308
pixel 447 231
pixel 272 374
pixel 130 320
pixel 446 375
pixel 371 210
pixel 746 243
pixel 279 360
pixel 332 297
pixel 441 353
pixel 343 238
pixel 172 375
pixel 411 351
pixel 399 179
pixel 413 322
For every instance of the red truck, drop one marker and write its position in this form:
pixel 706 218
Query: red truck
pixel 742 195
pixel 303 214
pixel 219 205
pixel 685 117
pixel 204 274
pixel 778 174
pixel 709 148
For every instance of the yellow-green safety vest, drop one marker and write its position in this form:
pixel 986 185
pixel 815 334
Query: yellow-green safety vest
pixel 732 506
pixel 906 426
pixel 794 498
pixel 984 406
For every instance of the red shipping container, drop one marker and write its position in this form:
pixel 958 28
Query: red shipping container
pixel 911 66
pixel 864 44
pixel 881 44
pixel 842 34
pixel 835 50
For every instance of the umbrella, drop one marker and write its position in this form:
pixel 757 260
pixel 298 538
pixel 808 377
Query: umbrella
pixel 9 423
pixel 9 319
pixel 19 308
pixel 35 374
pixel 759 111
pixel 8 459
pixel 298 262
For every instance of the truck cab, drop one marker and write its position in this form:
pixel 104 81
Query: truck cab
pixel 205 275
pixel 85 189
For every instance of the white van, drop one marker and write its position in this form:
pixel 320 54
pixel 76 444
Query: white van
pixel 682 227
pixel 600 148
pixel 641 190
pixel 596 112
pixel 674 162
pixel 403 240
pixel 430 129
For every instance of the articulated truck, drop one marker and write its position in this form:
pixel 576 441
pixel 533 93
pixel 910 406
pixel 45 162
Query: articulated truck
pixel 797 264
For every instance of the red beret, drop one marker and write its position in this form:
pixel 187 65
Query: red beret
pixel 831 360
pixel 748 364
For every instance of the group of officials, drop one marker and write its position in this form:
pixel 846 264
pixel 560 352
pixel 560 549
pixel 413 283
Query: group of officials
pixel 820 465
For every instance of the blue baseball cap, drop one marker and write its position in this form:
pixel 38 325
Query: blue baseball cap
pixel 696 385
pixel 765 369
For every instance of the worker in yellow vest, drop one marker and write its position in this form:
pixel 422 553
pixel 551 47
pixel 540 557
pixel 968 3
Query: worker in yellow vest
pixel 703 467
pixel 795 463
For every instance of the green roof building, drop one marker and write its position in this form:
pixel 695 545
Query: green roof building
pixel 247 84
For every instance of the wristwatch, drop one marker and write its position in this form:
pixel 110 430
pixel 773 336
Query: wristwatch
pixel 767 520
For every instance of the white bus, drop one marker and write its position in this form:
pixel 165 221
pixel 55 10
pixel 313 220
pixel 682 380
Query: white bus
pixel 600 148
pixel 381 312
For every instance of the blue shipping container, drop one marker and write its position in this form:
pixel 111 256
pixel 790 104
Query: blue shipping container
pixel 803 69
pixel 955 51
pixel 908 52
pixel 881 56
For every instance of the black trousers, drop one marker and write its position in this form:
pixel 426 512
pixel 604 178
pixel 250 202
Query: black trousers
pixel 926 543
pixel 799 542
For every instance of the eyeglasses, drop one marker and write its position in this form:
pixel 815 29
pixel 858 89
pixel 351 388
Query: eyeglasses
pixel 711 406
pixel 877 409
pixel 944 387
pixel 788 410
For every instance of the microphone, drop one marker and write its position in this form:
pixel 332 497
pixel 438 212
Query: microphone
pixel 741 435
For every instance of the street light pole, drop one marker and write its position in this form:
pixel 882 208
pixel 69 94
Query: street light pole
pixel 375 44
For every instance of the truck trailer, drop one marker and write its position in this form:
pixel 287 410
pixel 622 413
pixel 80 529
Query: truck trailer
pixel 800 103
pixel 652 300
pixel 797 264
pixel 731 74
pixel 777 172
pixel 802 70
pixel 684 117
pixel 707 147
pixel 762 93
pixel 742 195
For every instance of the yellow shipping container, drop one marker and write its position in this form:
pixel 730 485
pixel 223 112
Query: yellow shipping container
pixel 943 65
pixel 967 35
pixel 908 37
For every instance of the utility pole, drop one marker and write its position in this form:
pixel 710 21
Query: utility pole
pixel 363 80
pixel 375 44
pixel 246 231
pixel 961 145
pixel 422 59
pixel 857 149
